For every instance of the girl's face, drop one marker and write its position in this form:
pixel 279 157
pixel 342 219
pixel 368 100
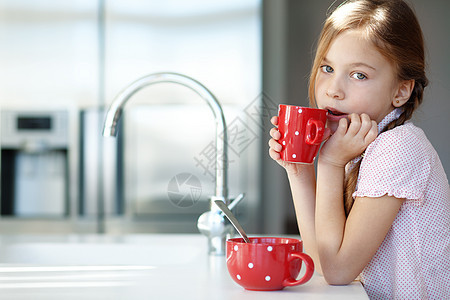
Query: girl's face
pixel 355 78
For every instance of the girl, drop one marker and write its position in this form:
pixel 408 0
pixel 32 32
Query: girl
pixel 380 207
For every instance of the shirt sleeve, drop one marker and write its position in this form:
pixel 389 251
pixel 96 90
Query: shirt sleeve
pixel 397 164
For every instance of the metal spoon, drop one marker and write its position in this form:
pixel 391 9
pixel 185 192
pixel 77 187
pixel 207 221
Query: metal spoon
pixel 232 219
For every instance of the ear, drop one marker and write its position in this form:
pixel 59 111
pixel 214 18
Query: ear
pixel 404 91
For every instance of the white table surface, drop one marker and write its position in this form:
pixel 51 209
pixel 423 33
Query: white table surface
pixel 132 267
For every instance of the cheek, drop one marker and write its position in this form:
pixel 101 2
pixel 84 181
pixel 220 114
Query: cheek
pixel 318 90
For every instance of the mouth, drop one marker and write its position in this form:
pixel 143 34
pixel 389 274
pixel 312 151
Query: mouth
pixel 335 112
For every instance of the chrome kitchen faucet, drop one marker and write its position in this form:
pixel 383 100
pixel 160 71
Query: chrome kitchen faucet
pixel 211 223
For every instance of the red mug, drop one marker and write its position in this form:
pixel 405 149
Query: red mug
pixel 267 263
pixel 302 130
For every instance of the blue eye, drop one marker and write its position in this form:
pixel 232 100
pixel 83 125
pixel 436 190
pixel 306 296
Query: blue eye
pixel 359 76
pixel 326 69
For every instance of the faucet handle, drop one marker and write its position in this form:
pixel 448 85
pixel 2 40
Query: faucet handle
pixel 236 201
pixel 212 224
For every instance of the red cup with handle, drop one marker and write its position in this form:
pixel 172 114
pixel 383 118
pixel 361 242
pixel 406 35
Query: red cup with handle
pixel 267 263
pixel 302 130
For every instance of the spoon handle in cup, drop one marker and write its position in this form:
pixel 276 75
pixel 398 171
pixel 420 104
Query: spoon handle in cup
pixel 232 219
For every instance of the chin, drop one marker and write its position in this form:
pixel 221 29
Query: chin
pixel 332 125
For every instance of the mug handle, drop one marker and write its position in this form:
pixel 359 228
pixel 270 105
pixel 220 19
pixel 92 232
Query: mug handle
pixel 309 264
pixel 318 134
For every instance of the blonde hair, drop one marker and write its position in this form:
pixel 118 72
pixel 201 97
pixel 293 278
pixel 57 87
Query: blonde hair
pixel 394 30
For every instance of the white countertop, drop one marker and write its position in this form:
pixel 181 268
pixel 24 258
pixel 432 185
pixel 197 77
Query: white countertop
pixel 132 267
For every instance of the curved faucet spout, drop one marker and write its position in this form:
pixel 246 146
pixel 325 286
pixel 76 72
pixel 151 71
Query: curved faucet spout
pixel 115 111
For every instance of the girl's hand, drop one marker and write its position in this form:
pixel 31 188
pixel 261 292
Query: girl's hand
pixel 275 149
pixel 349 140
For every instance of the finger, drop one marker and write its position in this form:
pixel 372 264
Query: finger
pixel 274 133
pixel 273 144
pixel 342 127
pixel 355 124
pixel 372 133
pixel 274 155
pixel 274 120
pixel 366 125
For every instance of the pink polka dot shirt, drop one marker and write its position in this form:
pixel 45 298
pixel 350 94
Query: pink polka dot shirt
pixel 413 262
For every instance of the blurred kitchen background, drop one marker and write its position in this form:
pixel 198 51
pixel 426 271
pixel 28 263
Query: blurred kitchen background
pixel 62 63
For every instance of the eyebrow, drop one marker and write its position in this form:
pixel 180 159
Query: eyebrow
pixel 354 65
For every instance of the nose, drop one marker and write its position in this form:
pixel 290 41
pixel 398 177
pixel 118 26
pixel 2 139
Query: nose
pixel 335 89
